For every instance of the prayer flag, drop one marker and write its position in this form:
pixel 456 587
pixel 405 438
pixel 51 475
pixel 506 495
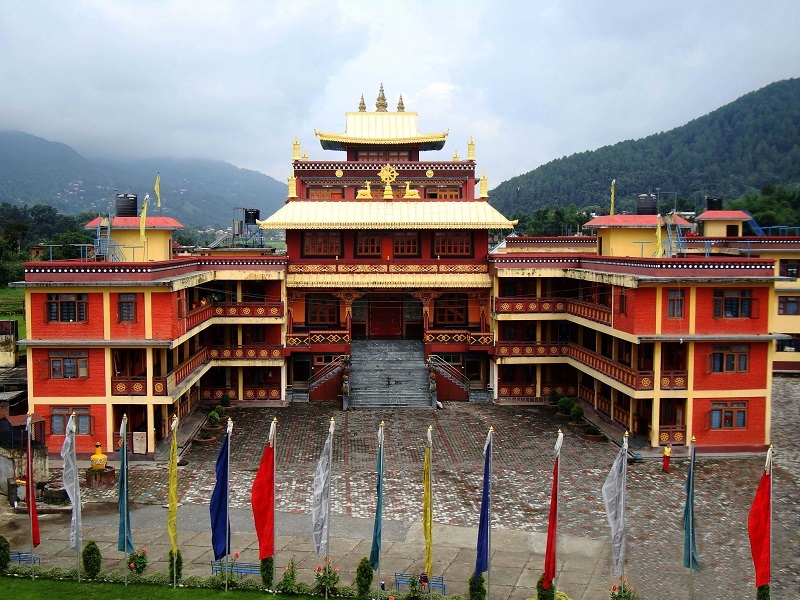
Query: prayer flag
pixel 143 218
pixel 614 500
pixel 220 522
pixel 71 484
pixel 157 189
pixel 427 505
pixel 263 498
pixel 172 494
pixel 689 542
pixel 124 539
pixel 377 531
pixel 30 490
pixel 759 524
pixel 320 504
pixel 659 247
pixel 550 551
pixel 484 523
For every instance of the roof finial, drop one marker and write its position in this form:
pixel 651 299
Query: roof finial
pixel 296 149
pixel 400 106
pixel 483 188
pixel 381 105
pixel 361 106
pixel 471 149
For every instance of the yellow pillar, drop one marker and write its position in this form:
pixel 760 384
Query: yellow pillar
pixel 151 428
pixel 655 421
pixel 110 427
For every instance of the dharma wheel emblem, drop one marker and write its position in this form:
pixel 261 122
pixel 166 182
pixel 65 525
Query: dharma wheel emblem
pixel 388 173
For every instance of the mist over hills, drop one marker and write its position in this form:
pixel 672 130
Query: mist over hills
pixel 739 148
pixel 193 191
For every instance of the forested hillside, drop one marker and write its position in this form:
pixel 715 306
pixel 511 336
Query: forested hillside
pixel 751 142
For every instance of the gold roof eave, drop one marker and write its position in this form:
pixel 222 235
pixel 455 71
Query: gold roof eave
pixel 388 280
pixel 338 141
pixel 348 214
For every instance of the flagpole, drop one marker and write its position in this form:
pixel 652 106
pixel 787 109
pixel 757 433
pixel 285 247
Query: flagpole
pixel 430 503
pixel 124 476
pixel 173 444
pixel 771 487
pixel 558 490
pixel 30 490
pixel 227 504
pixel 489 520
pixel 691 523
pixel 622 503
pixel 274 486
pixel 380 490
pixel 328 532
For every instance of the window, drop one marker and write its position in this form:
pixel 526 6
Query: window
pixel 69 364
pixel 789 267
pixel 66 308
pixel 450 309
pixel 60 415
pixel 384 156
pixel 322 310
pixel 730 359
pixel 127 307
pixel 368 244
pixel 441 193
pixel 787 305
pixel 732 303
pixel 452 243
pixel 728 415
pixel 325 194
pixel 322 243
pixel 406 243
pixel 675 303
pixel 792 345
pixel 257 334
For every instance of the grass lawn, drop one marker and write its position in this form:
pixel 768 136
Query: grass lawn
pixel 21 588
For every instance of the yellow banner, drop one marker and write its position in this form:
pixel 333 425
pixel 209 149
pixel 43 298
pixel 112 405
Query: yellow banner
pixel 157 189
pixel 172 495
pixel 427 510
pixel 143 219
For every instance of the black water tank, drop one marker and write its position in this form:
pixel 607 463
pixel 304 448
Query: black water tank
pixel 127 205
pixel 713 203
pixel 646 204
pixel 250 215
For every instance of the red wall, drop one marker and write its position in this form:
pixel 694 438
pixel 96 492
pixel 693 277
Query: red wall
pixel 83 443
pixel 640 311
pixel 706 323
pixel 44 386
pixel 166 325
pixel 755 378
pixel 752 435
pixel 675 324
pixel 91 329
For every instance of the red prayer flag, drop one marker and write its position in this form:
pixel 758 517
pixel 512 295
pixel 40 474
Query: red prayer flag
pixel 759 525
pixel 550 552
pixel 263 500
pixel 30 493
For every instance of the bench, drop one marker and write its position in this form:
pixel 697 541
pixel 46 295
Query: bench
pixel 434 581
pixel 22 556
pixel 240 568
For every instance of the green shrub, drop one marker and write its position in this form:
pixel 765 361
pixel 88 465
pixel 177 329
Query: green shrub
pixel 226 400
pixel 110 577
pixel 213 418
pixel 304 588
pixel 177 564
pixel 5 553
pixel 288 583
pixel 565 405
pixel 92 560
pixel 552 397
pixel 347 591
pixel 544 594
pixel 413 586
pixel 592 430
pixel 477 589
pixel 762 592
pixel 137 561
pixel 220 410
pixel 158 578
pixel 326 578
pixel 364 575
pixel 268 571
pixel 576 413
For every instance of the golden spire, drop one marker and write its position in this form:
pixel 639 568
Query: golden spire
pixel 304 157
pixel 400 106
pixel 483 189
pixel 292 186
pixel 361 106
pixel 295 149
pixel 455 156
pixel 471 150
pixel 381 105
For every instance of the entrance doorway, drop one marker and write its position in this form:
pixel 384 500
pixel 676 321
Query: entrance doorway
pixel 385 318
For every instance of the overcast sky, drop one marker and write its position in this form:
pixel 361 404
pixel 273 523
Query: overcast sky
pixel 530 80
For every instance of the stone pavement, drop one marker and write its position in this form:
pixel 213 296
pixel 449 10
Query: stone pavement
pixel 524 437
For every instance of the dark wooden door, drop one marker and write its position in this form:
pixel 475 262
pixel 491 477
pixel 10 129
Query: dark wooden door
pixel 385 318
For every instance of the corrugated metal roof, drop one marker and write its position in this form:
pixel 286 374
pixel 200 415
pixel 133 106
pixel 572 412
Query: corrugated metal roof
pixel 636 221
pixel 381 127
pixel 133 223
pixel 724 215
pixel 368 214
pixel 391 281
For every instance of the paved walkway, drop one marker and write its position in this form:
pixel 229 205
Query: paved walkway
pixel 522 477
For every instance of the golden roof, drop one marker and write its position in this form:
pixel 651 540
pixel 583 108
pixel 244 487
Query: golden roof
pixel 388 280
pixel 392 128
pixel 344 214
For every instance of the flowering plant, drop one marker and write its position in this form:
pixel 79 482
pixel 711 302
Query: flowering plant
pixel 327 577
pixel 137 561
pixel 623 591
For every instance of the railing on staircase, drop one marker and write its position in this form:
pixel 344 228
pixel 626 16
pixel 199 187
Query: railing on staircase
pixel 675 244
pixel 448 371
pixel 327 371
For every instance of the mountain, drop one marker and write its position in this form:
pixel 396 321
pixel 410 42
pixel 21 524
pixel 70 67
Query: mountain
pixel 201 192
pixel 751 142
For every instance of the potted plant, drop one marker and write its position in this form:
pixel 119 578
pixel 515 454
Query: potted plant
pixel 212 422
pixel 593 434
pixel 576 414
pixel 565 406
pixel 226 400
pixel 205 437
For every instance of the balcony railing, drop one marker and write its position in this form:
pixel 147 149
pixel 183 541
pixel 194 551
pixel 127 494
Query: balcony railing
pixel 202 314
pixel 673 380
pixel 516 390
pixel 129 386
pixel 637 380
pixel 532 349
pixel 250 352
pixel 672 434
pixel 578 308
pixel 306 339
pixel 562 389
pixel 185 369
pixel 266 391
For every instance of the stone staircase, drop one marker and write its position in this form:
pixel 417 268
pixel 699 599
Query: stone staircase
pixel 388 374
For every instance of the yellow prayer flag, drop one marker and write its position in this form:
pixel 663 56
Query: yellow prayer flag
pixel 659 248
pixel 172 515
pixel 143 218
pixel 427 507
pixel 157 189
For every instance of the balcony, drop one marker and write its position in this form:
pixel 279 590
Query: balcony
pixel 461 340
pixel 673 380
pixel 672 434
pixel 578 308
pixel 516 390
pixel 129 386
pixel 250 352
pixel 267 391
pixel 532 349
pixel 316 340
pixel 233 309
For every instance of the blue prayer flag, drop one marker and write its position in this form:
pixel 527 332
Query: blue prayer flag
pixel 482 561
pixel 689 543
pixel 377 531
pixel 124 538
pixel 220 523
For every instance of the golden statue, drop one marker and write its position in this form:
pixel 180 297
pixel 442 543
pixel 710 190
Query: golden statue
pixel 409 192
pixel 364 194
pixel 388 175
